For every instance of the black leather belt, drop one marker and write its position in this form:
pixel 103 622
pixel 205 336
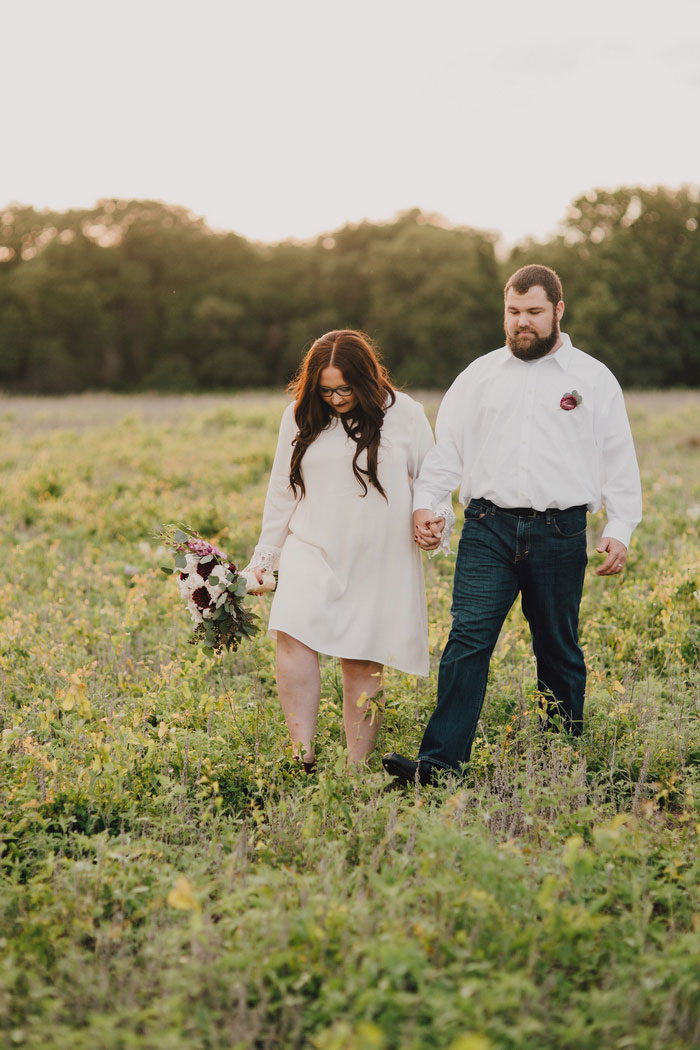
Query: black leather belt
pixel 527 512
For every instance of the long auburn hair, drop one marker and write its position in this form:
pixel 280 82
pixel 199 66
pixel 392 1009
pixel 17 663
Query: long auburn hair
pixel 353 354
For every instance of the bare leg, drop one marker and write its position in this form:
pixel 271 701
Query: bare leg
pixel 361 723
pixel 299 690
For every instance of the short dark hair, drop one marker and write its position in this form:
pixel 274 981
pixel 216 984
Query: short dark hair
pixel 528 276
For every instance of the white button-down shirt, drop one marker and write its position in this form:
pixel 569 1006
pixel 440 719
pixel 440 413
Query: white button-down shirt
pixel 503 435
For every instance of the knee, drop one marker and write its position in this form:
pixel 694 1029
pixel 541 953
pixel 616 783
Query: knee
pixel 469 637
pixel 362 669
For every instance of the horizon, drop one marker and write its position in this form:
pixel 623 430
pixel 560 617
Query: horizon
pixel 502 247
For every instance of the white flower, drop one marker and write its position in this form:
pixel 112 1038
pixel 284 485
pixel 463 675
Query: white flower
pixel 189 584
pixel 192 578
pixel 214 591
pixel 192 561
pixel 195 611
pixel 219 572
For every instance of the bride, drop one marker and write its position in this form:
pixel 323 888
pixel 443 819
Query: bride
pixel 337 524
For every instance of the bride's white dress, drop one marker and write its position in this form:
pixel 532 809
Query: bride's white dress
pixel 350 575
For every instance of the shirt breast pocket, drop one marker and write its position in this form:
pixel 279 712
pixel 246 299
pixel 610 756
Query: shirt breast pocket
pixel 575 426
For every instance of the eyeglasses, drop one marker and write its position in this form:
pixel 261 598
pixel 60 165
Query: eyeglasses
pixel 328 391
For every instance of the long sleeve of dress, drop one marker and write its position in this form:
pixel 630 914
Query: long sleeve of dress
pixel 422 441
pixel 280 500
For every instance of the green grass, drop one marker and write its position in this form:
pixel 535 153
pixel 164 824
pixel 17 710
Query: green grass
pixel 170 880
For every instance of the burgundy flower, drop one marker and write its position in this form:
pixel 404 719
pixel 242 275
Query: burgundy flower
pixel 205 570
pixel 570 401
pixel 201 598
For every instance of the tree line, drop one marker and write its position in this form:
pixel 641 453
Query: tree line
pixel 136 295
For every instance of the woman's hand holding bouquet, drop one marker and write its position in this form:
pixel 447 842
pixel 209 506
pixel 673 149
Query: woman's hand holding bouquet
pixel 259 581
pixel 214 589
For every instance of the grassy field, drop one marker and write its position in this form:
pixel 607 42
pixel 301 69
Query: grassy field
pixel 169 880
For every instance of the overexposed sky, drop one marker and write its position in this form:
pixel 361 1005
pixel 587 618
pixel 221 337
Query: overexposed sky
pixel 288 118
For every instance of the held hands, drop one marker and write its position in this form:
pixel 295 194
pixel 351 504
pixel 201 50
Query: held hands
pixel 427 529
pixel 615 561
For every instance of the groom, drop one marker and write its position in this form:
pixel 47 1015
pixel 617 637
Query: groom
pixel 534 434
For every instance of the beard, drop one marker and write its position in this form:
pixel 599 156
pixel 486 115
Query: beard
pixel 534 347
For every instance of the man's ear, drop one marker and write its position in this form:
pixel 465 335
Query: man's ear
pixel 559 310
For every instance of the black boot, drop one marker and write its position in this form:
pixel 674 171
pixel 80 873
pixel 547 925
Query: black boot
pixel 406 770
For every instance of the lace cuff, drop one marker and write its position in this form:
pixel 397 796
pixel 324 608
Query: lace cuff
pixel 444 510
pixel 265 558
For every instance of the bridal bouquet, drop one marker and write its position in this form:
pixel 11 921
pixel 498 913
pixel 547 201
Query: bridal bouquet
pixel 213 588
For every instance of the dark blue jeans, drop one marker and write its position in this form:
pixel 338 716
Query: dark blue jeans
pixel 502 553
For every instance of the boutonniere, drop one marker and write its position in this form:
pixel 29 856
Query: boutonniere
pixel 570 401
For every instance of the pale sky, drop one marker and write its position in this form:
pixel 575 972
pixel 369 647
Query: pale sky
pixel 289 118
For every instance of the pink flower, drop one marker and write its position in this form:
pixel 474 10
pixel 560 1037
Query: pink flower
pixel 203 548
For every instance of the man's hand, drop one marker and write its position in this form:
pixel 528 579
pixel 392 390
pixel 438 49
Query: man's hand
pixel 615 561
pixel 427 529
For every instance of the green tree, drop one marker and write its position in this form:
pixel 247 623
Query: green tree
pixel 141 294
pixel 435 299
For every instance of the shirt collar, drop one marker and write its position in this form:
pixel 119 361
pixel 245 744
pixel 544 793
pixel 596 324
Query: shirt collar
pixel 562 356
pixel 565 352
